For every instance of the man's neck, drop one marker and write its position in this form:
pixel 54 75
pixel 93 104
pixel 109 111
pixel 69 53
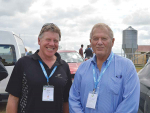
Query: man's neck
pixel 100 60
pixel 49 61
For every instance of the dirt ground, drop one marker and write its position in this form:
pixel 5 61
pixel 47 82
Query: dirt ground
pixel 3 107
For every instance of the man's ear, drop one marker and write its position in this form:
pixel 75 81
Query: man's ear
pixel 90 40
pixel 113 40
pixel 39 41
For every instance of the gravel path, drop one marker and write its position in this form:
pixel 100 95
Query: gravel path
pixel 3 107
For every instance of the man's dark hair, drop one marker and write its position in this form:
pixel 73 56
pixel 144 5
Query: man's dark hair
pixel 81 45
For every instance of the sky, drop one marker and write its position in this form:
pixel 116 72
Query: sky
pixel 75 18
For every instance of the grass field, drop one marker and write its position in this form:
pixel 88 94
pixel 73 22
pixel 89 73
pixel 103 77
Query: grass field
pixel 138 68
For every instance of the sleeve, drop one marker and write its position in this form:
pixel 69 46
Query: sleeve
pixel 74 95
pixel 67 86
pixel 3 71
pixel 14 85
pixel 131 92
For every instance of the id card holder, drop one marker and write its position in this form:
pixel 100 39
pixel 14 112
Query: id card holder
pixel 48 93
pixel 92 99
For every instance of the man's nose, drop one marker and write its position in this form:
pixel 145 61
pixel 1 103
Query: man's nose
pixel 51 42
pixel 99 41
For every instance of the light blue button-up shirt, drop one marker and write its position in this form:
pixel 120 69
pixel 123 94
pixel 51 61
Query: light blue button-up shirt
pixel 118 90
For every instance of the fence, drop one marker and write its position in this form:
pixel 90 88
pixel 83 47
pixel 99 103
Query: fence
pixel 139 59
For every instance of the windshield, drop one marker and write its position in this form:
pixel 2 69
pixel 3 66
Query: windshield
pixel 8 54
pixel 71 57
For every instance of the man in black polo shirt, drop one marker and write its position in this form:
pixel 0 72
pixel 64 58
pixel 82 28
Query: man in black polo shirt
pixel 40 82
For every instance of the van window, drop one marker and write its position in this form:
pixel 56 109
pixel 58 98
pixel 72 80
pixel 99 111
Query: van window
pixel 8 54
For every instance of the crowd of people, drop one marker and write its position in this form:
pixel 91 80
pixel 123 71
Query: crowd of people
pixel 41 82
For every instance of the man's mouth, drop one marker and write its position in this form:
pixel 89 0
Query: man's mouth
pixel 50 49
pixel 100 48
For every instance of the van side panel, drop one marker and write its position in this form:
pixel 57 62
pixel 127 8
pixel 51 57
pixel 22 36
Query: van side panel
pixel 9 38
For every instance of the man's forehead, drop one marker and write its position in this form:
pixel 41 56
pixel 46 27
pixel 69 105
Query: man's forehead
pixel 100 29
pixel 97 31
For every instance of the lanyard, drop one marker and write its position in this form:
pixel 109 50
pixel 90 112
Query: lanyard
pixel 101 74
pixel 44 71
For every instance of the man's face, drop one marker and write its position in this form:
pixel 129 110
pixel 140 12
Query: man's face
pixel 49 43
pixel 101 42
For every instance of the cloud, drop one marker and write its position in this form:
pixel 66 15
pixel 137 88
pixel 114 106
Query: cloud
pixel 11 7
pixel 93 1
pixel 75 19
pixel 118 2
pixel 139 17
pixel 31 42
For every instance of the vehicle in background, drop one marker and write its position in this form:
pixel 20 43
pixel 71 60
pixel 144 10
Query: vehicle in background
pixel 11 49
pixel 144 76
pixel 73 58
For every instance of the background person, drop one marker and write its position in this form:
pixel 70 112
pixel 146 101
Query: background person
pixel 106 83
pixel 88 52
pixel 26 52
pixel 40 82
pixel 92 50
pixel 3 71
pixel 81 50
pixel 29 53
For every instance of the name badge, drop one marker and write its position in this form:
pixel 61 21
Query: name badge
pixel 91 101
pixel 48 93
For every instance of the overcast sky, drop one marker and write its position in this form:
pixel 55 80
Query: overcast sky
pixel 75 18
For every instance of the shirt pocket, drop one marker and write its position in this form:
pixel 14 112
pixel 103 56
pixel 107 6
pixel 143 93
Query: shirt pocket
pixel 114 85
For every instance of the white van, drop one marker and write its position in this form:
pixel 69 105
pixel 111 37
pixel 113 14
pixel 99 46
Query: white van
pixel 11 49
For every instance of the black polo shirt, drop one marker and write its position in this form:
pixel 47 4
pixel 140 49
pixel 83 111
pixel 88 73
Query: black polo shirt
pixel 27 81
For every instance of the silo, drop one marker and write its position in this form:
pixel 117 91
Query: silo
pixel 129 43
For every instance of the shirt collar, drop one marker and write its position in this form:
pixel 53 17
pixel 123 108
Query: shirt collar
pixel 94 58
pixel 35 56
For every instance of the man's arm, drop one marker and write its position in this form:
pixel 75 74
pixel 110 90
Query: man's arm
pixel 131 95
pixel 65 107
pixel 74 96
pixel 12 104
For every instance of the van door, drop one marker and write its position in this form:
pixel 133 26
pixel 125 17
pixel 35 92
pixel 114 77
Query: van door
pixel 8 54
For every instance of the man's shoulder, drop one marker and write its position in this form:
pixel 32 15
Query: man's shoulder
pixel 85 63
pixel 25 61
pixel 122 60
pixel 26 58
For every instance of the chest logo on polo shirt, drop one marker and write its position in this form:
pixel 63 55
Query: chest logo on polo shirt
pixel 58 76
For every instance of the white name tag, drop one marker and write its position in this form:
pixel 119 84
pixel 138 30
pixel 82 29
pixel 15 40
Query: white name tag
pixel 91 101
pixel 48 93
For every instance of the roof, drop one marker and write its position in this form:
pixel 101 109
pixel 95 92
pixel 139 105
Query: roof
pixel 143 48
pixel 61 51
pixel 130 28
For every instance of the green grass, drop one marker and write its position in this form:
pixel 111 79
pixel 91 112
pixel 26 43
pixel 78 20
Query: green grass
pixel 138 68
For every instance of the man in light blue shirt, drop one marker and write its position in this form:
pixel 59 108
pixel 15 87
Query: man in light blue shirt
pixel 106 83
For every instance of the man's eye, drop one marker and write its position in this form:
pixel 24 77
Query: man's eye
pixel 47 39
pixel 55 41
pixel 104 38
pixel 95 39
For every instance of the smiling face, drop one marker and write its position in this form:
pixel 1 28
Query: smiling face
pixel 101 42
pixel 48 44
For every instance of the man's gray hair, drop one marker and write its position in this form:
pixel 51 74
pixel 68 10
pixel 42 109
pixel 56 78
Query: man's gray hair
pixel 104 27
